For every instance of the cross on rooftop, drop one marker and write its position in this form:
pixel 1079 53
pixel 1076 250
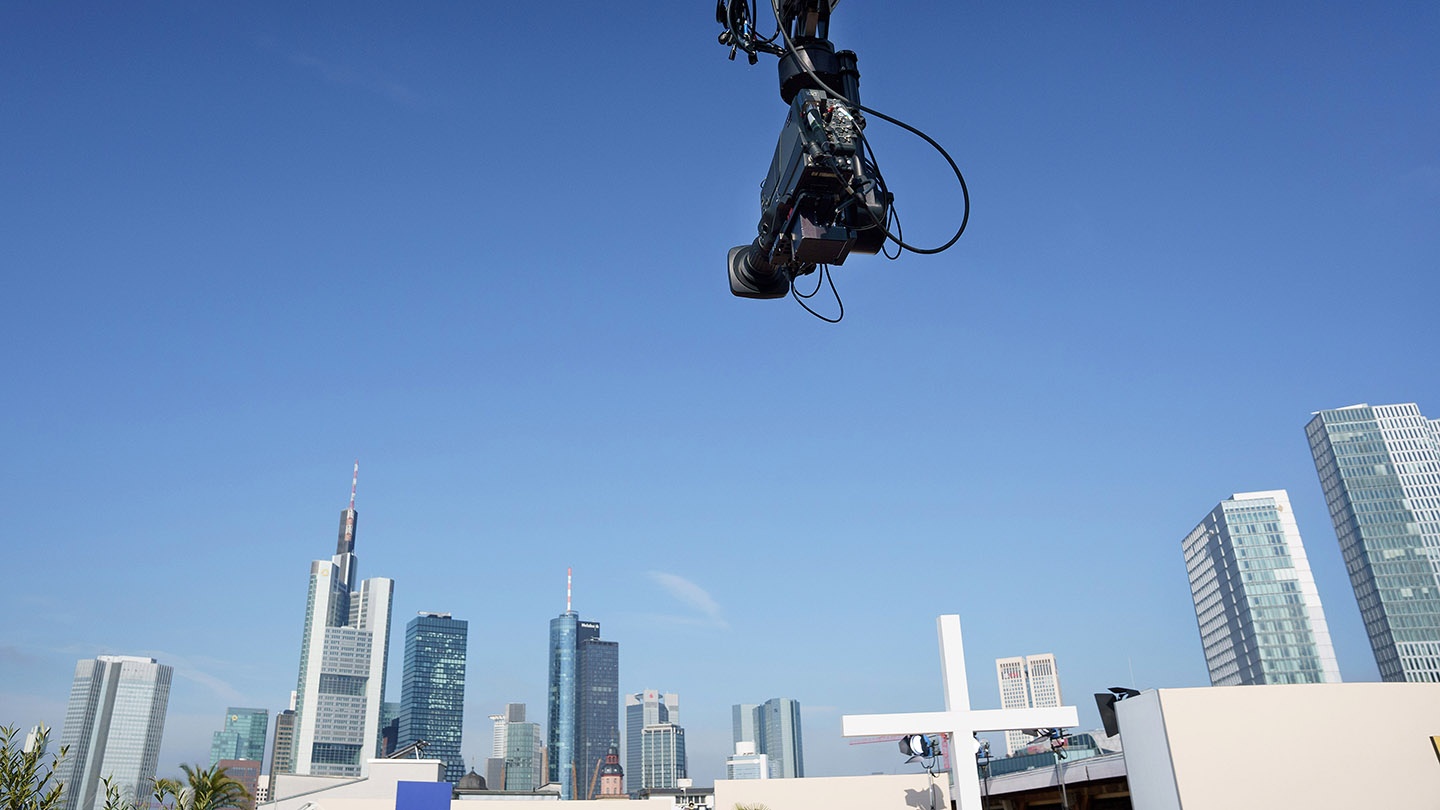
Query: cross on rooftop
pixel 958 720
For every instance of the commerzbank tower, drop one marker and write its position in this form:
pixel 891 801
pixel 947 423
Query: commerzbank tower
pixel 342 661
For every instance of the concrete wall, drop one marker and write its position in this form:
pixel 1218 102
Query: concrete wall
pixel 883 792
pixel 1313 745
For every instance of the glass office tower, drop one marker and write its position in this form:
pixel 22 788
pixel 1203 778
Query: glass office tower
pixel 648 708
pixel 113 726
pixel 432 694
pixel 242 737
pixel 584 702
pixel 1379 467
pixel 1256 604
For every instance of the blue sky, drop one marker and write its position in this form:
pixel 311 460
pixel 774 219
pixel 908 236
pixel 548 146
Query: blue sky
pixel 481 248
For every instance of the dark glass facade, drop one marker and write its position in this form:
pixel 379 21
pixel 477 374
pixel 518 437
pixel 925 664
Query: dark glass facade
pixel 432 695
pixel 584 702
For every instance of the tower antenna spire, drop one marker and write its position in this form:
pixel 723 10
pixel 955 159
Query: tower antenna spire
pixel 567 588
pixel 354 479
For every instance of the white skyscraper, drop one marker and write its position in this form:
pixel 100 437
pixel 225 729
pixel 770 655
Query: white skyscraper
pixel 1379 467
pixel 112 729
pixel 343 657
pixel 1028 682
pixel 1255 599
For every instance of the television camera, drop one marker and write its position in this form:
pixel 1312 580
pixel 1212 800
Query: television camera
pixel 823 197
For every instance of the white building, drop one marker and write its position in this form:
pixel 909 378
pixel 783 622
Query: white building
pixel 1256 603
pixel 642 711
pixel 745 763
pixel 1380 470
pixel 113 726
pixel 1026 682
pixel 342 663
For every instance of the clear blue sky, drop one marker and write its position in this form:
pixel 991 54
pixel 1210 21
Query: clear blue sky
pixel 480 247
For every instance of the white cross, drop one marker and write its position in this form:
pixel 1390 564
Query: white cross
pixel 958 720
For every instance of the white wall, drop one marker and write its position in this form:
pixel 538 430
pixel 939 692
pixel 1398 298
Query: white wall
pixel 1313 745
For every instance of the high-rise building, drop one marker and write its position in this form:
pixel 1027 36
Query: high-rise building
pixel 1256 603
pixel 343 656
pixel 113 726
pixel 775 726
pixel 1379 467
pixel 1028 682
pixel 584 708
pixel 648 708
pixel 432 695
pixel 282 748
pixel 662 756
pixel 524 760
pixel 242 737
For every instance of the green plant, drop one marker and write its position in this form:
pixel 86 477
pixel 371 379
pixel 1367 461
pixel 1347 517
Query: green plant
pixel 27 770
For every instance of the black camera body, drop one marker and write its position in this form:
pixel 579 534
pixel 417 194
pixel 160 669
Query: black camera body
pixel 821 199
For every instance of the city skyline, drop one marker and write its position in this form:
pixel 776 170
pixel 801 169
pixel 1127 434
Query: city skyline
pixel 249 243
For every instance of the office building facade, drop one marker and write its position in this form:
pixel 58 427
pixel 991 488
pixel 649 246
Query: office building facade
pixel 745 763
pixel 113 726
pixel 343 657
pixel 584 708
pixel 1379 467
pixel 242 737
pixel 1256 603
pixel 1026 682
pixel 432 694
pixel 648 708
pixel 662 757
pixel 774 728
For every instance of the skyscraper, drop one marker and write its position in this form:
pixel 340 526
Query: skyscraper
pixel 282 750
pixel 648 708
pixel 242 737
pixel 524 759
pixel 775 726
pixel 432 696
pixel 343 655
pixel 644 710
pixel 1028 682
pixel 584 709
pixel 1256 603
pixel 113 726
pixel 1380 470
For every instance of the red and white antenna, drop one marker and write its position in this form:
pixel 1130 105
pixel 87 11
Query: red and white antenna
pixel 567 589
pixel 354 479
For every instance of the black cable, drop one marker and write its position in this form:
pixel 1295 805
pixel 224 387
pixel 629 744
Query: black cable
pixel 825 277
pixel 964 189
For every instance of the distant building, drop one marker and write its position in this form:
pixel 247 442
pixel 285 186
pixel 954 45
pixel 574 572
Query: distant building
pixel 113 726
pixel 1256 603
pixel 1380 470
pixel 648 708
pixel 1026 682
pixel 524 760
pixel 584 709
pixel 242 737
pixel 282 749
pixel 662 756
pixel 774 728
pixel 612 776
pixel 343 657
pixel 432 695
pixel 389 728
pixel 745 763
pixel 247 773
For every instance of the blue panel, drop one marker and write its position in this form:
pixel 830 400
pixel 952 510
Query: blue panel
pixel 422 795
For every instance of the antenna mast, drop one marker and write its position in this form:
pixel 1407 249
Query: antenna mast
pixel 567 589
pixel 354 479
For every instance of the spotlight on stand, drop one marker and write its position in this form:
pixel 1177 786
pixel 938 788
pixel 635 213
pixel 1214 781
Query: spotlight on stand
pixel 920 746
